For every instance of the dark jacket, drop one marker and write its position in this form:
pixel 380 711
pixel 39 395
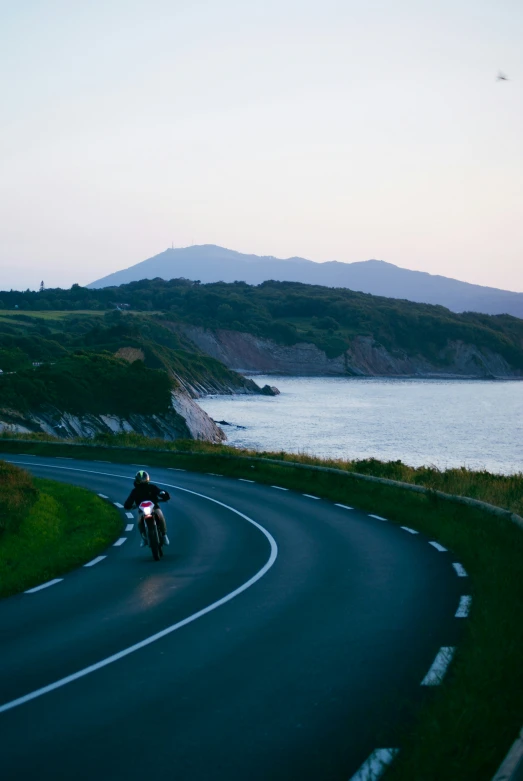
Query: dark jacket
pixel 143 492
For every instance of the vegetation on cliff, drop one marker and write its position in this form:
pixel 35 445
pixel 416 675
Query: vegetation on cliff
pixel 102 364
pixel 289 312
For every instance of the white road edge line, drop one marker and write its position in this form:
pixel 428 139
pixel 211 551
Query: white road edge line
pixel 438 547
pixel 102 496
pixel 164 632
pixel 279 488
pixel 410 531
pixel 129 527
pixel 244 480
pixel 95 561
pixel 344 506
pixel 460 570
pixel 44 585
pixel 374 767
pixel 129 515
pixel 439 667
pixel 464 607
pixel 117 504
pixel 378 517
pixel 119 542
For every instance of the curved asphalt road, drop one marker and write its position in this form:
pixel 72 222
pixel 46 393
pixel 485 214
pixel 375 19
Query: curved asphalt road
pixel 302 675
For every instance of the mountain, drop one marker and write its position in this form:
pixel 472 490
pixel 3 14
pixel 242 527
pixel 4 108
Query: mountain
pixel 210 263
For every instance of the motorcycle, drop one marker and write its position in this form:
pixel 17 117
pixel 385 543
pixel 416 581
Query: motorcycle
pixel 147 513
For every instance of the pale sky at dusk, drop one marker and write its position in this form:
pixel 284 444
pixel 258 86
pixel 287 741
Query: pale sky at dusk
pixel 331 130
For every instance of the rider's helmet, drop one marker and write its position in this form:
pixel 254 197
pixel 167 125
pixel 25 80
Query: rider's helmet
pixel 141 477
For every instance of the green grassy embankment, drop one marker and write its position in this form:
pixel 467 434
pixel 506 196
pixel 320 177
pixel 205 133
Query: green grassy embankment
pixel 466 726
pixel 49 529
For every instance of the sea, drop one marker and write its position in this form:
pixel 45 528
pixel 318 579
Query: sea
pixel 477 424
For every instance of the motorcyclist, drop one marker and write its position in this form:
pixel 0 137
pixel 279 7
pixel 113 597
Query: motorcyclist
pixel 144 491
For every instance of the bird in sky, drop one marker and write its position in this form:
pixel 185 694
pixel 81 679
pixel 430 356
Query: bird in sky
pixel 502 77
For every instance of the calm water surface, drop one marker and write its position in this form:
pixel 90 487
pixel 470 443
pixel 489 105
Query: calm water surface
pixel 478 424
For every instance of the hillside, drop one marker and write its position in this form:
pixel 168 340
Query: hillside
pixel 209 263
pixel 93 373
pixel 179 321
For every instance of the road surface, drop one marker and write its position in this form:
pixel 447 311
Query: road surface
pixel 281 637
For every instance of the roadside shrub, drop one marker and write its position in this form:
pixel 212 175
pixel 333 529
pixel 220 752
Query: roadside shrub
pixel 17 495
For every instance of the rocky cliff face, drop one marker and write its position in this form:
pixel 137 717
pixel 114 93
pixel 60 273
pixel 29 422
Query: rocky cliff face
pixel 245 352
pixel 186 420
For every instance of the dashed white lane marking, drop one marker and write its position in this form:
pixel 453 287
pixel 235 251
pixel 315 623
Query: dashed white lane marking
pixel 460 570
pixel 117 504
pixel 66 458
pixel 44 585
pixel 129 527
pixel 310 496
pixel 439 667
pixel 438 547
pixel 410 531
pixel 176 469
pixel 378 517
pixel 374 767
pixel 119 542
pixel 213 474
pixel 98 461
pixel 464 607
pixel 345 506
pixel 129 515
pixel 103 496
pixel 279 488
pixel 244 480
pixel 164 632
pixel 95 561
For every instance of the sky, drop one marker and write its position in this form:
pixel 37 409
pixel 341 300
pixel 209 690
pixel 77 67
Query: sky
pixel 333 130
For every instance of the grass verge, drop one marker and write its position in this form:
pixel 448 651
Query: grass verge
pixel 466 726
pixel 62 528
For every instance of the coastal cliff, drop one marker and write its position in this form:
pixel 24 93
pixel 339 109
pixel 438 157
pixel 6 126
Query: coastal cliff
pixel 365 357
pixel 185 420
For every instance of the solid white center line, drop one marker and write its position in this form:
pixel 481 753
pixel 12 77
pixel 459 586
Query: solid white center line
pixel 310 496
pixel 95 561
pixel 464 607
pixel 438 547
pixel 103 496
pixel 279 488
pixel 117 504
pixel 244 480
pixel 439 667
pixel 345 507
pixel 410 531
pixel 119 542
pixel 460 570
pixel 129 515
pixel 44 585
pixel 374 767
pixel 378 517
pixel 129 527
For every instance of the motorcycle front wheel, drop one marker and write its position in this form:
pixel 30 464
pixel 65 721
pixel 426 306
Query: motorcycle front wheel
pixel 154 542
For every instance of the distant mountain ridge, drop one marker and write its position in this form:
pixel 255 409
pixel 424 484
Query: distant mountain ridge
pixel 210 263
